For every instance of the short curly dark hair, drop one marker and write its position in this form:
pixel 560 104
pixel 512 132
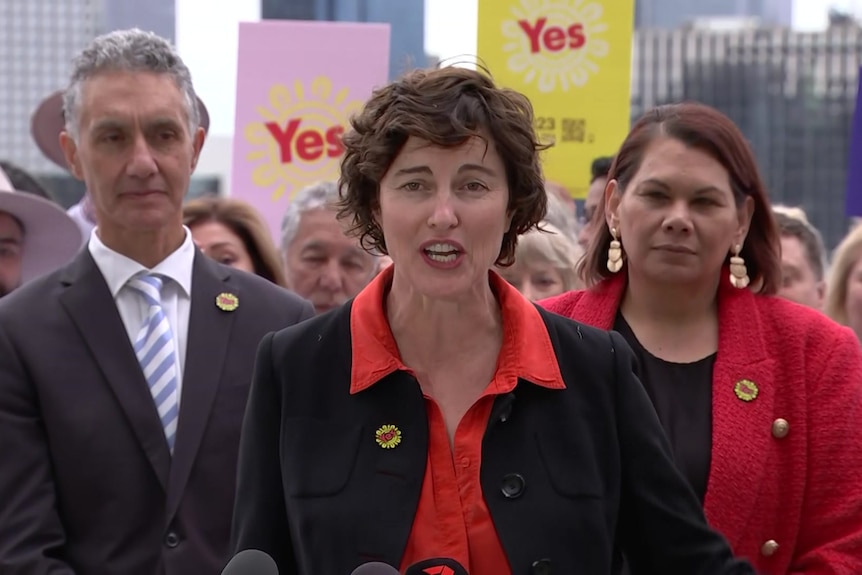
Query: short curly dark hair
pixel 445 106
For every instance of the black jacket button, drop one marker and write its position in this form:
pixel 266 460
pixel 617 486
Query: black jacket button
pixel 172 540
pixel 513 485
pixel 542 567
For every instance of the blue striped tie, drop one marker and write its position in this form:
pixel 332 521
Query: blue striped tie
pixel 156 353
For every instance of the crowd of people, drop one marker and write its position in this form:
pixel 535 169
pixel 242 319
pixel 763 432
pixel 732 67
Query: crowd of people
pixel 441 356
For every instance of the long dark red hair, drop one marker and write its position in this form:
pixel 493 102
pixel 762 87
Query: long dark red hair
pixel 705 128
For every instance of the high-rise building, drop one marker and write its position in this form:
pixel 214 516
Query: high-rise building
pixel 668 14
pixel 406 17
pixel 791 93
pixel 38 39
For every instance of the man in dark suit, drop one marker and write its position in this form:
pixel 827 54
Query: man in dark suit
pixel 124 375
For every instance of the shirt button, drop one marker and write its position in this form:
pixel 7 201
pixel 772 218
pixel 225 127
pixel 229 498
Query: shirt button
pixel 542 567
pixel 513 486
pixel 769 548
pixel 465 462
pixel 172 540
pixel 780 428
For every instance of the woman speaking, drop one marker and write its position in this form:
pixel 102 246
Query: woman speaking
pixel 440 413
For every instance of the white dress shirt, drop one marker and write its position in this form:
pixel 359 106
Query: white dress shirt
pixel 176 270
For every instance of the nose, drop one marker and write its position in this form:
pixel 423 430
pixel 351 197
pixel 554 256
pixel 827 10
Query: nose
pixel 527 291
pixel 678 219
pixel 330 277
pixel 142 164
pixel 443 216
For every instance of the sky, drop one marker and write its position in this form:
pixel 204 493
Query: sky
pixel 210 50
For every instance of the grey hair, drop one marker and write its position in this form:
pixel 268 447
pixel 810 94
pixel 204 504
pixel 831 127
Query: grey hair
pixel 129 51
pixel 312 197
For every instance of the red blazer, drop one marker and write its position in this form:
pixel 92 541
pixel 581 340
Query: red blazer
pixel 801 490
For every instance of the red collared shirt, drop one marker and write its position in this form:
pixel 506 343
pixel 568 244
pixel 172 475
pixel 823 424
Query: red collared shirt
pixel 452 519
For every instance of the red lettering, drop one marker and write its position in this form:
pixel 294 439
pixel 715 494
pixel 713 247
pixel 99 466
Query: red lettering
pixel 333 138
pixel 554 38
pixel 284 138
pixel 533 32
pixel 577 39
pixel 309 145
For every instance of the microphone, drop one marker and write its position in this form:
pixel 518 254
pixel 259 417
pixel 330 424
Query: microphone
pixel 375 568
pixel 251 562
pixel 437 566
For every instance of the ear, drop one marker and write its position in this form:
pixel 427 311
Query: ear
pixel 821 294
pixel 70 151
pixel 197 144
pixel 744 215
pixel 612 204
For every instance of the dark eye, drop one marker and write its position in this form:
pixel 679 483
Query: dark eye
pixel 706 201
pixel 476 187
pixel 412 186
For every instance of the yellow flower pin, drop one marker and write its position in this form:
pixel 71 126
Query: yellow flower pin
pixel 227 301
pixel 746 390
pixel 388 436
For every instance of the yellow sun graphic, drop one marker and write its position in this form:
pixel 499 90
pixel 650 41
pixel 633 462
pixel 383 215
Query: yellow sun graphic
pixel 555 42
pixel 388 436
pixel 298 140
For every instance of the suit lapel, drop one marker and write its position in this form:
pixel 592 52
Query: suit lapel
pixel 394 475
pixel 209 331
pixel 743 394
pixel 89 303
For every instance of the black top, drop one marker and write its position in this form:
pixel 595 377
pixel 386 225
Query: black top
pixel 682 396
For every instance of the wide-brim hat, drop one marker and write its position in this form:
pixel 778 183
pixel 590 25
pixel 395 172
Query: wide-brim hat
pixel 51 236
pixel 48 121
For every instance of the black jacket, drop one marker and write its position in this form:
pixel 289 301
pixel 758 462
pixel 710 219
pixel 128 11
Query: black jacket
pixel 571 477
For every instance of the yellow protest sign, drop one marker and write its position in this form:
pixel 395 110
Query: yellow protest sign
pixel 572 58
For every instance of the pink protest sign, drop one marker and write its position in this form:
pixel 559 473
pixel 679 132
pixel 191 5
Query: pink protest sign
pixel 298 83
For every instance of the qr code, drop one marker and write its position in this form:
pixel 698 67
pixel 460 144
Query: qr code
pixel 574 129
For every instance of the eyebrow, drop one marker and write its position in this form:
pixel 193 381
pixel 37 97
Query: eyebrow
pixel 116 124
pixel 221 245
pixel 464 168
pixel 661 184
pixel 319 245
pixel 11 241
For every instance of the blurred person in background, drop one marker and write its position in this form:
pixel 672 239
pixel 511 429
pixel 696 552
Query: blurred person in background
pixel 323 264
pixel 124 374
pixel 760 397
pixel 23 181
pixel 545 263
pixel 46 125
pixel 561 215
pixel 231 232
pixel 36 235
pixel 595 194
pixel 803 258
pixel 844 287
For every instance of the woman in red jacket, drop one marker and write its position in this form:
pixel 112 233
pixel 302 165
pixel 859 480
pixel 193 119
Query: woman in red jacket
pixel 761 398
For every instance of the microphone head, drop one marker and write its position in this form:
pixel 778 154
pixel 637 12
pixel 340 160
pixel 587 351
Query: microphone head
pixel 375 568
pixel 251 562
pixel 437 566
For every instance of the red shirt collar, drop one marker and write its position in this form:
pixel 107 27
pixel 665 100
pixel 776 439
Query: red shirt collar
pixel 526 352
